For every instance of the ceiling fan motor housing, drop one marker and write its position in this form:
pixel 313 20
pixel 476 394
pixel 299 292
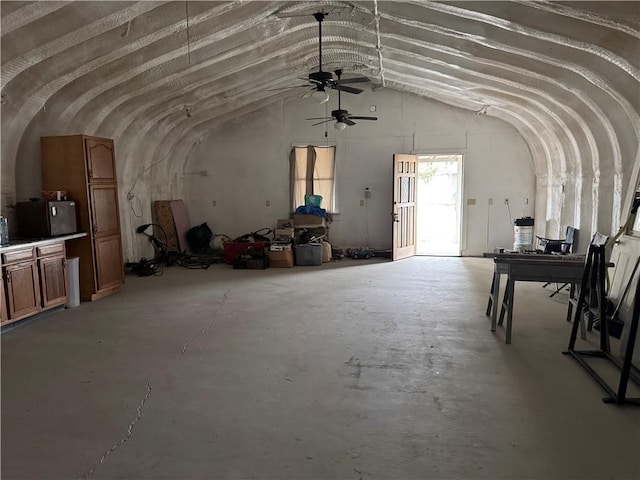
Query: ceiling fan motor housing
pixel 321 77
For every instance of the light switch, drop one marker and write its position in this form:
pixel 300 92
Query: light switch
pixel 471 201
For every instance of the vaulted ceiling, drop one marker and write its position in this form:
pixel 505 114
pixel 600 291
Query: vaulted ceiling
pixel 564 74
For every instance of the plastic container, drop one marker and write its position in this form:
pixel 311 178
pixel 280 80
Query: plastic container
pixel 312 200
pixel 4 231
pixel 523 234
pixel 326 252
pixel 73 271
pixel 308 254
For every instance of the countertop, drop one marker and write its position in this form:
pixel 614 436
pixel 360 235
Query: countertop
pixel 18 243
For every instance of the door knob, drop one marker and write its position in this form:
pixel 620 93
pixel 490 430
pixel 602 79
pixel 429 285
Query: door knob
pixel 395 217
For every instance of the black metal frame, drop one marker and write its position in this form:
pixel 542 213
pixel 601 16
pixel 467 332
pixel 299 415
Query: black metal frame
pixel 594 277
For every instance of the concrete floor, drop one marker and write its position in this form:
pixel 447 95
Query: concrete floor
pixel 354 370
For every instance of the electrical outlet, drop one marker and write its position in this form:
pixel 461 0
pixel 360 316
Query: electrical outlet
pixel 214 203
pixel 506 201
pixel 526 201
pixel 362 203
pixel 491 201
pixel 268 203
pixel 367 193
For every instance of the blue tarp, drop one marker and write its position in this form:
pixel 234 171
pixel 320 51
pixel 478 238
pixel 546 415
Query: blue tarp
pixel 312 210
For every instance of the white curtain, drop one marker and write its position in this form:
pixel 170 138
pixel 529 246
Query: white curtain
pixel 313 172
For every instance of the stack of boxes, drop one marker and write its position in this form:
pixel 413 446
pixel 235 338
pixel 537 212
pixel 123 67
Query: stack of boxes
pixel 280 251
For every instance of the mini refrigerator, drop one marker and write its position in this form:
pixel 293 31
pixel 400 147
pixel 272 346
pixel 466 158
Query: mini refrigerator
pixel 46 219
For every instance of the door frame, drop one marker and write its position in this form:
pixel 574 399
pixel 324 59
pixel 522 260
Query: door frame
pixel 460 201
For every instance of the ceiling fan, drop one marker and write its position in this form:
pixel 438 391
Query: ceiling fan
pixel 321 80
pixel 342 117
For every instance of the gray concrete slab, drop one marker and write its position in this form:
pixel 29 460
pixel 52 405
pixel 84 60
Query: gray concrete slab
pixel 350 370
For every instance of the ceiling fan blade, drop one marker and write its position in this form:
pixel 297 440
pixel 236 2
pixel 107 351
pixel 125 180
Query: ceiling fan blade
pixel 286 88
pixel 347 121
pixel 308 93
pixel 320 123
pixel 354 80
pixel 319 118
pixel 344 88
pixel 362 118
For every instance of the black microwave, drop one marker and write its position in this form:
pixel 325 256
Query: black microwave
pixel 46 218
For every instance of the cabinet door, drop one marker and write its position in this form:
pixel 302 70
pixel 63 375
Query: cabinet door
pixel 109 267
pixel 100 160
pixel 22 287
pixel 4 315
pixel 53 281
pixel 104 210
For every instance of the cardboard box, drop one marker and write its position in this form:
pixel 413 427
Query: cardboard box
pixel 281 259
pixel 280 247
pixel 283 232
pixel 284 223
pixel 302 220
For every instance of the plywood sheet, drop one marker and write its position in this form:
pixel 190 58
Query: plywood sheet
pixel 164 218
pixel 181 222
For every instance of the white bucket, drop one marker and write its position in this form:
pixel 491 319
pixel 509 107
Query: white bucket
pixel 522 238
pixel 73 271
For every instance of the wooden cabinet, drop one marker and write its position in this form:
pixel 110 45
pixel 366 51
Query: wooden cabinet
pixel 33 279
pixel 52 269
pixel 85 167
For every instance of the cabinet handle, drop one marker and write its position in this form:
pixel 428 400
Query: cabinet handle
pixel 8 276
pixel 64 262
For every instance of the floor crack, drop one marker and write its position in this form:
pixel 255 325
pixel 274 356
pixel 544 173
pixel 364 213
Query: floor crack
pixel 146 397
pixel 186 346
pixel 126 436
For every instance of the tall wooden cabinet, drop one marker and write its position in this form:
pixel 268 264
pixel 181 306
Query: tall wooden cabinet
pixel 85 167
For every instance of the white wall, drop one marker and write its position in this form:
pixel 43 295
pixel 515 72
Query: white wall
pixel 247 164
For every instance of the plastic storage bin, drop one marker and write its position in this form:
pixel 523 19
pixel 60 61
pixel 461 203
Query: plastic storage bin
pixel 308 254
pixel 312 200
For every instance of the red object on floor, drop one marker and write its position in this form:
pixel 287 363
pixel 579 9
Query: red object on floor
pixel 231 249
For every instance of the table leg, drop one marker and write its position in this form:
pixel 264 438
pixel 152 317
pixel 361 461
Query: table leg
pixel 496 297
pixel 491 293
pixel 511 290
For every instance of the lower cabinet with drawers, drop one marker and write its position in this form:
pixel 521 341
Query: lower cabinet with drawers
pixel 34 278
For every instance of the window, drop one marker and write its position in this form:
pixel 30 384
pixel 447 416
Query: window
pixel 313 173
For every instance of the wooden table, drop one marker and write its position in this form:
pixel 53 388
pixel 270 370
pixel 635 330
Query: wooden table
pixel 526 267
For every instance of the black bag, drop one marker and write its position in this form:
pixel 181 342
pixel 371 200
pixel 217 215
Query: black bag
pixel 198 239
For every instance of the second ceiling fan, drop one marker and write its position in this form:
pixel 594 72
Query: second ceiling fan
pixel 342 117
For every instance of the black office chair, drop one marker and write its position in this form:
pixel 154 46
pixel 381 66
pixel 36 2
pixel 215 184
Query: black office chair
pixel 557 247
pixel 562 247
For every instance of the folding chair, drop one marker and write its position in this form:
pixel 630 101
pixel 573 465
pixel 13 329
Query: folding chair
pixel 557 247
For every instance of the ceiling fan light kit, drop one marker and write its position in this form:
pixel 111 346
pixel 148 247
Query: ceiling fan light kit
pixel 340 126
pixel 320 96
